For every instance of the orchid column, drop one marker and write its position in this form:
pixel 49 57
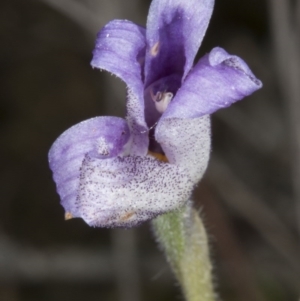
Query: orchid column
pixel 113 172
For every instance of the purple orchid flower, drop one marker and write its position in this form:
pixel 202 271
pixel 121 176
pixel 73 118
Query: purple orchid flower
pixel 107 169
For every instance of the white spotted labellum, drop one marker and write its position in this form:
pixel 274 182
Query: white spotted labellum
pixel 109 171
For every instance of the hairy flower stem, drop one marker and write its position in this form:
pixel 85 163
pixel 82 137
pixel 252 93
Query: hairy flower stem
pixel 183 238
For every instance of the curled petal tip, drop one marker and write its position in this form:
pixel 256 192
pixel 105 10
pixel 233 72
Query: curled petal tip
pixel 68 215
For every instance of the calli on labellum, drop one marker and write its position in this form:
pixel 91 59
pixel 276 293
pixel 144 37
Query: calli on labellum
pixel 110 171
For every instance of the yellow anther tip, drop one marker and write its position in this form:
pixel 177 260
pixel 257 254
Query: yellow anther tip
pixel 127 216
pixel 155 49
pixel 158 156
pixel 68 216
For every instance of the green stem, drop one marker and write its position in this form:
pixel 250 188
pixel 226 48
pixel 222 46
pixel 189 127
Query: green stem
pixel 183 238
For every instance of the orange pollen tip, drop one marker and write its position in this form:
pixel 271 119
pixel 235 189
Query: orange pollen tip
pixel 127 216
pixel 68 215
pixel 158 156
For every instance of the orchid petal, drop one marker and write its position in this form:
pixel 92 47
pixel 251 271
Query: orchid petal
pixel 186 142
pixel 125 191
pixel 103 137
pixel 119 46
pixel 120 49
pixel 218 80
pixel 175 30
pixel 137 124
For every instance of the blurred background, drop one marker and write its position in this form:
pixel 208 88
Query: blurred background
pixel 249 197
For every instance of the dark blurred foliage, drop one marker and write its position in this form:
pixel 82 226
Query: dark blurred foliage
pixel 247 198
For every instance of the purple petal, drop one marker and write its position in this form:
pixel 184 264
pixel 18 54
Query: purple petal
pixel 175 30
pixel 137 124
pixel 123 192
pixel 218 80
pixel 120 49
pixel 186 142
pixel 102 137
pixel 120 44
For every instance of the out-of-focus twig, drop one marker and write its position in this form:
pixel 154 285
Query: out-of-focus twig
pixel 79 13
pixel 125 262
pixel 238 270
pixel 261 135
pixel 25 264
pixel 91 15
pixel 285 36
pixel 297 10
pixel 249 205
